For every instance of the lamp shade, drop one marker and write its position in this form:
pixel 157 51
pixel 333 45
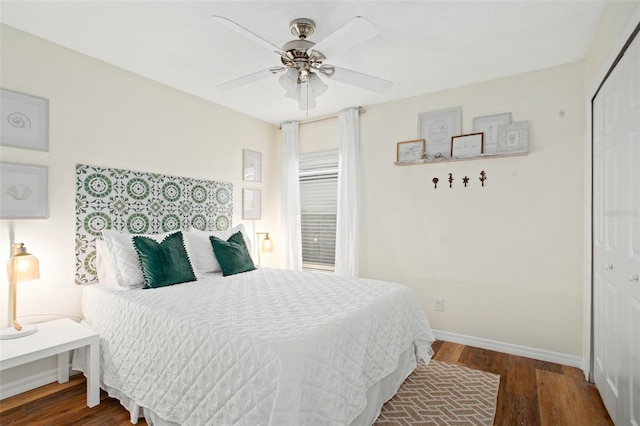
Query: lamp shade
pixel 317 85
pixel 289 80
pixel 22 266
pixel 267 244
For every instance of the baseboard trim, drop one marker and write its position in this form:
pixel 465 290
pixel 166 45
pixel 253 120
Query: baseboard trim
pixel 28 383
pixel 512 349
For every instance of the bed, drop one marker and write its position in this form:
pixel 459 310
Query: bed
pixel 187 339
pixel 266 347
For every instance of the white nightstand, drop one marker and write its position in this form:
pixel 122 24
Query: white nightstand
pixel 57 337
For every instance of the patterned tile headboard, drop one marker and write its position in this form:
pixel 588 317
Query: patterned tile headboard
pixel 146 203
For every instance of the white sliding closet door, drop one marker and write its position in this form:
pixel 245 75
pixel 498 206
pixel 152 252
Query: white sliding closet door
pixel 616 239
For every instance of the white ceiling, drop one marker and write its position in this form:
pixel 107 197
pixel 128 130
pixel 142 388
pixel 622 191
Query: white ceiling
pixel 422 47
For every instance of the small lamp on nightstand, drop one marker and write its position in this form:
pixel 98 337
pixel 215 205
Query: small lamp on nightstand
pixel 266 246
pixel 21 267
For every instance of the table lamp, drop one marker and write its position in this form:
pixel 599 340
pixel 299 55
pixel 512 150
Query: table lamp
pixel 266 245
pixel 22 266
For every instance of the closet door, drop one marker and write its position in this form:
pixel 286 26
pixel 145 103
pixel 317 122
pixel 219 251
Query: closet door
pixel 631 237
pixel 616 239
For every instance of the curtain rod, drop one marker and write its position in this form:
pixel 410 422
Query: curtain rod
pixel 361 110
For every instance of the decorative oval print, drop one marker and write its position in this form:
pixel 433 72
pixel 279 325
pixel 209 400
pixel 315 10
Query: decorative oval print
pixel 90 263
pixel 170 222
pixel 138 188
pixel 96 222
pixel 222 223
pixel 137 223
pixel 199 194
pixel 199 222
pixel 97 185
pixel 171 191
pixel 19 120
pixel 222 195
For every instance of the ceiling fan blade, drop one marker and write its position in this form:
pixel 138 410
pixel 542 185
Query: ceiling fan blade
pixel 244 80
pixel 359 79
pixel 354 32
pixel 247 33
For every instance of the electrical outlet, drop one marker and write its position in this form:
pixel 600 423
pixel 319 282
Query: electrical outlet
pixel 438 304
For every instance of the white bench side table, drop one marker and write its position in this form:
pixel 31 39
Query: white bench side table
pixel 57 337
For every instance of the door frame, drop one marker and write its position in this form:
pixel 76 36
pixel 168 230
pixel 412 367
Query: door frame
pixel 632 31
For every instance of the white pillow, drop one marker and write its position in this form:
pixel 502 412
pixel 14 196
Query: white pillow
pixel 200 251
pixel 104 264
pixel 128 271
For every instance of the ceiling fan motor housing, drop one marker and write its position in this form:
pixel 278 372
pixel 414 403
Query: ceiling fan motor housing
pixel 302 27
pixel 298 50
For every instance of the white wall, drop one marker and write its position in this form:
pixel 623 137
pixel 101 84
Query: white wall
pixel 507 258
pixel 618 20
pixel 103 115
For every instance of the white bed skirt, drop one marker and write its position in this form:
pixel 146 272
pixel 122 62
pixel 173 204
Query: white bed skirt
pixel 377 395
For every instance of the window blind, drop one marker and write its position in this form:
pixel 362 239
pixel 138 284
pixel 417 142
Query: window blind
pixel 319 206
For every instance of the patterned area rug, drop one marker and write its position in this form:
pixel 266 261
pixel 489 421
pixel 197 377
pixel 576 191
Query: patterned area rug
pixel 443 394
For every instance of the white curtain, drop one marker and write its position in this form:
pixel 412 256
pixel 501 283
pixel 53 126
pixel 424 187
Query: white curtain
pixel 290 218
pixel 347 258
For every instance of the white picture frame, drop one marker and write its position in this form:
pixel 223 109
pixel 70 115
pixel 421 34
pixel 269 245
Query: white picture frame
pixel 251 166
pixel 251 204
pixel 25 121
pixel 437 128
pixel 23 191
pixel 488 125
pixel 513 137
pixel 467 145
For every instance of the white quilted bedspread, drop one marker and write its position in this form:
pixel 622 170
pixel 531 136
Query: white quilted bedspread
pixel 267 347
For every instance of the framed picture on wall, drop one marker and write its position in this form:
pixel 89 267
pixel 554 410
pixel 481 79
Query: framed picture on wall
pixel 23 191
pixel 437 128
pixel 251 204
pixel 513 137
pixel 467 145
pixel 489 126
pixel 410 151
pixel 251 166
pixel 25 121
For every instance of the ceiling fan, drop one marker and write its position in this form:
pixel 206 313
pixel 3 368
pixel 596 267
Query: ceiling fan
pixel 303 60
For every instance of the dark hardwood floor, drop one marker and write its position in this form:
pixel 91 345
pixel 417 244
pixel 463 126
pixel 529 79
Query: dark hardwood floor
pixel 531 393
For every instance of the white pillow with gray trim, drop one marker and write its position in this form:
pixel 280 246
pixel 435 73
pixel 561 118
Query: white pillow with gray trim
pixel 128 271
pixel 200 250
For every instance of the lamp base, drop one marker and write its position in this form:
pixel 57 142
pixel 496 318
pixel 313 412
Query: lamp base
pixel 12 333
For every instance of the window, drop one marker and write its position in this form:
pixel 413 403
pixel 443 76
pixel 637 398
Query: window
pixel 319 208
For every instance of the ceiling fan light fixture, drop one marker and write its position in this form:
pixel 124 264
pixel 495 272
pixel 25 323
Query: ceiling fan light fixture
pixel 289 80
pixel 318 87
pixel 293 94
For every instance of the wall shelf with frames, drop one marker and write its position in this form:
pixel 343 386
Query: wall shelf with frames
pixel 447 160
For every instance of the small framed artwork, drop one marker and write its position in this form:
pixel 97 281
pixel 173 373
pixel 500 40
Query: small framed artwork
pixel 251 204
pixel 25 121
pixel 410 151
pixel 23 191
pixel 437 128
pixel 513 137
pixel 489 126
pixel 251 166
pixel 467 145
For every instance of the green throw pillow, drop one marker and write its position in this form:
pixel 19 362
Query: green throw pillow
pixel 232 254
pixel 164 263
